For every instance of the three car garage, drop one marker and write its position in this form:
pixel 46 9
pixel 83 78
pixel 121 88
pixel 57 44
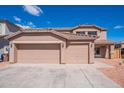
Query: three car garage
pixel 50 48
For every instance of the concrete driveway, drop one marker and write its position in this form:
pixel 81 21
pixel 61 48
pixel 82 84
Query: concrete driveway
pixel 53 76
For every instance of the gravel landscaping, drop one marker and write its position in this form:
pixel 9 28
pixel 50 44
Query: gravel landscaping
pixel 116 73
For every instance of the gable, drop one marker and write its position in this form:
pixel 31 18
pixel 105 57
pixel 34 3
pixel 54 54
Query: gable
pixel 37 37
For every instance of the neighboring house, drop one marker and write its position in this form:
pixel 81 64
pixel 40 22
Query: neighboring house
pixel 6 28
pixel 73 45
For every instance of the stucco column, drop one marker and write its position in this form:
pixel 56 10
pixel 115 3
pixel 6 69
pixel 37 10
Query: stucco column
pixel 107 52
pixel 111 51
pixel 12 53
pixel 62 48
pixel 91 53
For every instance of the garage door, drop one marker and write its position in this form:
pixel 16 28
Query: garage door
pixel 38 53
pixel 77 54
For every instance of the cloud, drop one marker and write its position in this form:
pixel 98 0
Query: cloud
pixel 27 25
pixel 23 23
pixel 33 10
pixel 17 18
pixel 23 26
pixel 31 24
pixel 118 27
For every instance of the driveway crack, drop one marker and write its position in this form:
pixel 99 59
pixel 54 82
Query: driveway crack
pixel 87 78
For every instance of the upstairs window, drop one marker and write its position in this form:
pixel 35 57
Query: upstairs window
pixel 92 33
pixel 80 33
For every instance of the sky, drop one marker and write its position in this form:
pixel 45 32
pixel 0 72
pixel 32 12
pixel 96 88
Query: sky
pixel 43 16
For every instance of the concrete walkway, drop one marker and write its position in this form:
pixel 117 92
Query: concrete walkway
pixel 53 76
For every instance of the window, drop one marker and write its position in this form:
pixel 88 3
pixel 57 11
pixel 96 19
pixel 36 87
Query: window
pixel 93 33
pixel 80 33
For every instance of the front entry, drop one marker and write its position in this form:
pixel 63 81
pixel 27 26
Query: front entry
pixel 102 51
pixel 97 52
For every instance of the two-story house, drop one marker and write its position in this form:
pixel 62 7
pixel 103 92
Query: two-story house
pixel 103 47
pixel 72 45
pixel 6 28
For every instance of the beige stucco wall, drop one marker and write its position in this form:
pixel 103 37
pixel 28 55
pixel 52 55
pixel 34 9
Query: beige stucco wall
pixel 13 53
pixel 38 37
pixel 91 52
pixel 102 35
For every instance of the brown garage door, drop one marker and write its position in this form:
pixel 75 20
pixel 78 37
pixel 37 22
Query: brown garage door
pixel 38 53
pixel 77 53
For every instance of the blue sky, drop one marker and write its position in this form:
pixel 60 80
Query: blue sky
pixel 110 17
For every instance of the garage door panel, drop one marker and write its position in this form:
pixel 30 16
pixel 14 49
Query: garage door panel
pixel 38 47
pixel 38 53
pixel 77 54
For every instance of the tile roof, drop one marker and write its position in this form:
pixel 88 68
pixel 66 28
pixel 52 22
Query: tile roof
pixel 80 26
pixel 103 42
pixel 2 36
pixel 62 28
pixel 66 36
pixel 73 28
